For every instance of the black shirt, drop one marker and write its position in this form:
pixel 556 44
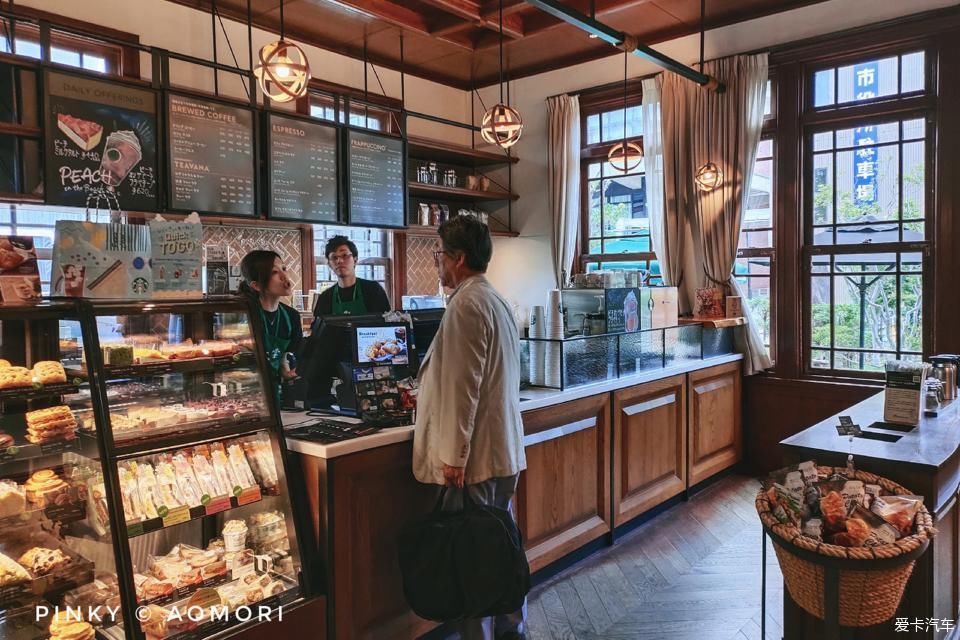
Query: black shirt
pixel 374 297
pixel 278 326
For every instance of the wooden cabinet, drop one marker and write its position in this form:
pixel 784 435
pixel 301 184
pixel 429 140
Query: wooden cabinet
pixel 649 446
pixel 715 439
pixel 563 498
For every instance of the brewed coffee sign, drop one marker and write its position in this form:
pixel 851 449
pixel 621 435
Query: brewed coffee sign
pixel 211 156
pixel 376 179
pixel 303 170
pixel 100 143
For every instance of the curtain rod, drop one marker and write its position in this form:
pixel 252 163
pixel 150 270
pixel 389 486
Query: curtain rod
pixel 609 85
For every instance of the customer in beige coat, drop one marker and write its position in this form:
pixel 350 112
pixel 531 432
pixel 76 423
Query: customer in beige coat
pixel 468 434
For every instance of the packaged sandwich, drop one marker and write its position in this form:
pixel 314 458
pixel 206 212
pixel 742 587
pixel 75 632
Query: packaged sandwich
pixel 147 486
pixel 206 477
pixel 167 488
pixel 240 466
pixel 898 511
pixel 186 480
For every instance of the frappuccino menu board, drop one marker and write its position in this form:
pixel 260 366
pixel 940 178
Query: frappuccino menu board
pixel 375 166
pixel 211 157
pixel 303 170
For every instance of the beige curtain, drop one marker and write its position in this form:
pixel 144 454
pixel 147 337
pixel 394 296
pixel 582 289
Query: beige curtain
pixel 653 170
pixel 724 128
pixel 563 175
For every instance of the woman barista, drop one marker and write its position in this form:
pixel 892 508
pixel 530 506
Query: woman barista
pixel 265 279
pixel 351 295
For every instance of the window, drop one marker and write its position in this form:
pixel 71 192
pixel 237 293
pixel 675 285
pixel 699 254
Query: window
pixel 753 268
pixel 65 49
pixel 325 107
pixel 615 225
pixel 374 248
pixel 866 235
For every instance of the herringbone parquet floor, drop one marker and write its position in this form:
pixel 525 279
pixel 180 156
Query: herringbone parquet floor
pixel 691 572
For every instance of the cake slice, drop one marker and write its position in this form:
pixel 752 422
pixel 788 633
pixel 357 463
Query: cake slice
pixel 84 133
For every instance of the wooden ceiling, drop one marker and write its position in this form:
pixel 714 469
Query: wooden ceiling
pixel 455 42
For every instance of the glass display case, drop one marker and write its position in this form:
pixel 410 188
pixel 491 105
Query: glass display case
pixel 56 543
pixel 156 421
pixel 580 360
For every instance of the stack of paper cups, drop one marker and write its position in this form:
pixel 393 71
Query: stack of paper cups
pixel 551 365
pixel 537 348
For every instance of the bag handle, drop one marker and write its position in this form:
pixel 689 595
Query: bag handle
pixel 468 501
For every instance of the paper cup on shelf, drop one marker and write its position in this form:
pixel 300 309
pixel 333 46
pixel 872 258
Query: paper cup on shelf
pixel 538 327
pixel 235 536
pixel 552 367
pixel 553 310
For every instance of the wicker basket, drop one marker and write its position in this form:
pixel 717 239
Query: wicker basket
pixel 870 580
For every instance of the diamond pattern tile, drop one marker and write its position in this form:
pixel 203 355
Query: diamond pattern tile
pixel 421 270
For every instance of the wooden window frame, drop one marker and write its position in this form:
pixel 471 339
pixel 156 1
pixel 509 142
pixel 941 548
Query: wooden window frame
pixel 387 111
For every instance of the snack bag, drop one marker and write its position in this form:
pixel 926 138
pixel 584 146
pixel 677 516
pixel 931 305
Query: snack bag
pixel 898 511
pixel 881 532
pixel 833 509
pixel 787 508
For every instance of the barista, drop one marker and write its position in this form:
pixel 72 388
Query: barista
pixel 351 295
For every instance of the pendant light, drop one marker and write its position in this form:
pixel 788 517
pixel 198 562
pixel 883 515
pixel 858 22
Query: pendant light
pixel 501 124
pixel 709 176
pixel 625 156
pixel 282 71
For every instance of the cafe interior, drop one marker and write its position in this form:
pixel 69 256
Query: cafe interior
pixel 727 231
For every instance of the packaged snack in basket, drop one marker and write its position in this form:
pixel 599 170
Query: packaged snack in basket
pixel 898 511
pixel 813 528
pixel 856 534
pixel 871 491
pixel 881 531
pixel 787 507
pixel 853 493
pixel 794 478
pixel 833 510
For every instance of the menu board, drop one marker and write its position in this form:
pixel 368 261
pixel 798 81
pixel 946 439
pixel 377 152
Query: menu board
pixel 376 179
pixel 212 166
pixel 303 170
pixel 100 142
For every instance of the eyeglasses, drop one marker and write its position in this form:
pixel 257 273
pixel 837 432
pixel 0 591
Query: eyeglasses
pixel 437 254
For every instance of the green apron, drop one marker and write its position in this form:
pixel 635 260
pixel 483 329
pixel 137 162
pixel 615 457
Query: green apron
pixel 353 307
pixel 276 347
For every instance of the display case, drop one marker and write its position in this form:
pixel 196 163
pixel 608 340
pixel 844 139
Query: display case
pixel 580 360
pixel 55 534
pixel 162 415
pixel 653 307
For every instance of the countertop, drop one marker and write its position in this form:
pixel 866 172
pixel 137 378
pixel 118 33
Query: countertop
pixel 931 444
pixel 530 399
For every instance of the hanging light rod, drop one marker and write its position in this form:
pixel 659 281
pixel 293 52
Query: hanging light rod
pixel 625 41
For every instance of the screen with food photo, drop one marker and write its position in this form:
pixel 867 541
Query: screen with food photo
pixel 19 274
pixel 383 345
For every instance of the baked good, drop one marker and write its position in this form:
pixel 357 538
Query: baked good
pixel 41 561
pixel 153 417
pixel 69 625
pixel 15 377
pixel 44 487
pixel 4 363
pixel 49 372
pixel 184 351
pixel 51 424
pixel 12 499
pixel 141 355
pixel 11 572
pixel 83 133
pixel 217 348
pixel 117 355
pixel 6 440
pixel 122 423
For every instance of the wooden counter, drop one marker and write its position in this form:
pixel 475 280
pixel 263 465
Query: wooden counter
pixel 925 460
pixel 594 461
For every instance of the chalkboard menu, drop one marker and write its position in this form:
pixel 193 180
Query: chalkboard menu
pixel 376 179
pixel 303 170
pixel 212 167
pixel 100 142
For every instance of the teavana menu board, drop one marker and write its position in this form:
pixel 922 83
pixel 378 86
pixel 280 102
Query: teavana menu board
pixel 211 156
pixel 376 179
pixel 303 170
pixel 100 142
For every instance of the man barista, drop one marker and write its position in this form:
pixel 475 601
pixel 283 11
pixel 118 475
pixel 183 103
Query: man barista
pixel 351 295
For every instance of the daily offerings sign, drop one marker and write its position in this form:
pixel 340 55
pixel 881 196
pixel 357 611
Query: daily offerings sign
pixel 100 143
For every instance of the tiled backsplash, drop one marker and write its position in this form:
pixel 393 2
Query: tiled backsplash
pixel 242 239
pixel 421 269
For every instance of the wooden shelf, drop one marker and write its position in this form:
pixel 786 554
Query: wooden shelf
pixel 420 230
pixel 440 151
pixel 458 193
pixel 715 323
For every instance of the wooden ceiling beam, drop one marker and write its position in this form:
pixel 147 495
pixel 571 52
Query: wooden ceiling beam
pixel 470 14
pixel 400 16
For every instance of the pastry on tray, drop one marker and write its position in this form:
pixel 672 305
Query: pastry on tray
pixel 51 424
pixel 11 572
pixel 12 499
pixel 144 355
pixel 15 377
pixel 45 488
pixel 49 372
pixel 69 625
pixel 4 363
pixel 41 561
pixel 183 351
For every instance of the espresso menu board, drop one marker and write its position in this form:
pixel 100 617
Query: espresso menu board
pixel 212 165
pixel 100 142
pixel 303 170
pixel 376 179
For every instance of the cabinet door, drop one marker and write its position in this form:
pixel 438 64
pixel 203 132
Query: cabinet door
pixel 716 441
pixel 563 497
pixel 649 446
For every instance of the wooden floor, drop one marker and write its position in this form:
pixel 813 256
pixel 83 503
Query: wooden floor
pixel 691 572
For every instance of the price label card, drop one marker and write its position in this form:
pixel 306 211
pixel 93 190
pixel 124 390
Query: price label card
pixel 248 496
pixel 177 515
pixel 218 504
pixel 134 530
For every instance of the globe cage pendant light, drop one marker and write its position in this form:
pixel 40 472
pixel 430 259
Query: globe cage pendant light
pixel 501 124
pixel 282 70
pixel 625 156
pixel 709 176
